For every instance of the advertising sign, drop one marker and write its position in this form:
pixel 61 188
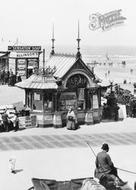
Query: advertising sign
pixel 27 55
pixel 21 67
pixel 67 100
pixel 24 48
pixel 33 62
pixel 95 102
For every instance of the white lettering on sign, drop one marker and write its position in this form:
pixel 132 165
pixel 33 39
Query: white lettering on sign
pixel 28 54
pixel 21 72
pixel 24 48
pixel 21 67
pixel 21 61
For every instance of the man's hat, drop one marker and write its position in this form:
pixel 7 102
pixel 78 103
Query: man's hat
pixel 105 146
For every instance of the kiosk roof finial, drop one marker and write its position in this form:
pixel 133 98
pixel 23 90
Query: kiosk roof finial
pixel 78 55
pixel 53 39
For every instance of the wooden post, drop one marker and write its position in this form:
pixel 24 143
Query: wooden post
pixel 38 60
pixel 43 58
pixel 43 108
pixel 26 68
pixel 7 60
pixel 88 100
pixel 31 99
pixel 55 102
pixel 26 97
pixel 16 61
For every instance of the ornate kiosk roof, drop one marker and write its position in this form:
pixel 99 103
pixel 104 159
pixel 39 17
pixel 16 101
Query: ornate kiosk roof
pixel 38 81
pixel 56 67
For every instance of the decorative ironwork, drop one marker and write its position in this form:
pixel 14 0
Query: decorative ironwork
pixel 77 81
pixel 47 71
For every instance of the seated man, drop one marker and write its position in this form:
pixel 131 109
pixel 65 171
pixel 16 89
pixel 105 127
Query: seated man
pixel 105 167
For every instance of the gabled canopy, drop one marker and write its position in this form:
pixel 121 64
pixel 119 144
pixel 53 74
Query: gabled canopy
pixel 59 65
pixel 63 63
pixel 38 81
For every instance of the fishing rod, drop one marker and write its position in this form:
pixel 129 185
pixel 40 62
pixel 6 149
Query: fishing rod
pixel 126 170
pixel 115 167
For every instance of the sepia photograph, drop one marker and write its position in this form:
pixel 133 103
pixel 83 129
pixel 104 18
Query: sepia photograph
pixel 68 95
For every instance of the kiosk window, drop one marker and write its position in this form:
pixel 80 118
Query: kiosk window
pixel 67 100
pixel 81 99
pixel 95 102
pixel 48 101
pixel 37 101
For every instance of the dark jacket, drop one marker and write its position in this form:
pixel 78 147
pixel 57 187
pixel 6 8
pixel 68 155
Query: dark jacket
pixel 5 117
pixel 103 164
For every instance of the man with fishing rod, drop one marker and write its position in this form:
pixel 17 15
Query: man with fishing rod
pixel 105 167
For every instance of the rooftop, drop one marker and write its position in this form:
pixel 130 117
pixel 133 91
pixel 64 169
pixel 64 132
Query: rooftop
pixel 38 81
pixel 62 62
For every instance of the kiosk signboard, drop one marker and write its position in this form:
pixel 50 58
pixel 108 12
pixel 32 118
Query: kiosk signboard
pixel 21 67
pixel 33 62
pixel 24 48
pixel 67 100
pixel 27 59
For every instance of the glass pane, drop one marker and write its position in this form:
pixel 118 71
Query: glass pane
pixel 37 102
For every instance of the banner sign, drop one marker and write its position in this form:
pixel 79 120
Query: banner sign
pixel 24 48
pixel 106 21
pixel 27 54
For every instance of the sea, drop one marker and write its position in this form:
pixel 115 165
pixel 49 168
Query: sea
pixel 109 63
pixel 115 64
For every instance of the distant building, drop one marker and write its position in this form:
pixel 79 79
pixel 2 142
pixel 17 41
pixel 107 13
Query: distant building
pixel 26 59
pixel 4 60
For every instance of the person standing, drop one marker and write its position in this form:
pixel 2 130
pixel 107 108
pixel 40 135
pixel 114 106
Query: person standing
pixel 2 76
pixel 71 119
pixel 5 120
pixel 16 120
pixel 105 166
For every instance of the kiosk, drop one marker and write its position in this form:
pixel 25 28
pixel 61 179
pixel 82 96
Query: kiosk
pixel 66 82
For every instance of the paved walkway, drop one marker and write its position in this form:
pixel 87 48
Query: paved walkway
pixel 62 154
pixel 114 133
pixel 25 142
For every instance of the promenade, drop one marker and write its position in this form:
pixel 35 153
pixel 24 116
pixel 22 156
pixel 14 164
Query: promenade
pixel 62 154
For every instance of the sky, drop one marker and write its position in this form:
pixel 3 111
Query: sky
pixel 31 22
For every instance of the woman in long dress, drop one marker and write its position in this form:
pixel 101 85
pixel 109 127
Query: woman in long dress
pixel 71 120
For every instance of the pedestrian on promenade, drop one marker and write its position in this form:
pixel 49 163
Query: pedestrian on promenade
pixel 105 167
pixel 5 120
pixel 6 77
pixel 71 119
pixel 14 119
pixel 2 76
